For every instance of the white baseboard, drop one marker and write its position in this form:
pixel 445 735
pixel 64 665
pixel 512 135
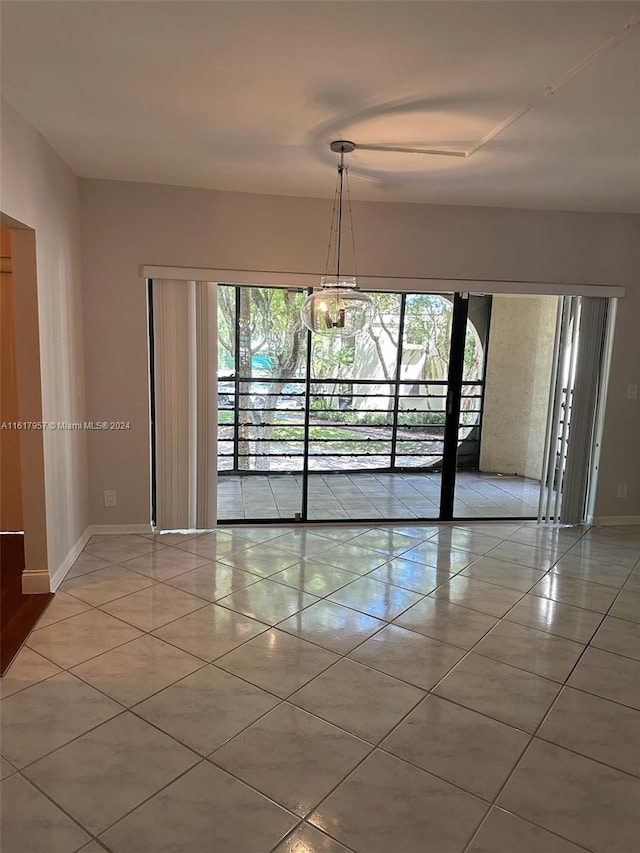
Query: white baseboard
pixel 35 581
pixel 107 529
pixel 616 520
pixel 60 573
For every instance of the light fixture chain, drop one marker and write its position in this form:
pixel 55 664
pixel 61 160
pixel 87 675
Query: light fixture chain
pixel 353 238
pixel 332 228
pixel 341 168
pixel 338 310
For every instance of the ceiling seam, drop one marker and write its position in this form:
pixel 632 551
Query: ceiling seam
pixel 612 41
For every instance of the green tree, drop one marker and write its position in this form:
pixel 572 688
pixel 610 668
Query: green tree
pixel 383 333
pixel 269 327
pixel 332 360
pixel 268 323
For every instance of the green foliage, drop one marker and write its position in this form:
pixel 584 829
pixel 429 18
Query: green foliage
pixel 428 323
pixel 380 418
pixel 290 433
pixel 270 325
pixel 421 418
pixel 273 343
pixel 472 356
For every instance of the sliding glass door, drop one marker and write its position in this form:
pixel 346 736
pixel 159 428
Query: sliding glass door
pixel 520 360
pixel 362 428
pixel 450 406
pixel 262 400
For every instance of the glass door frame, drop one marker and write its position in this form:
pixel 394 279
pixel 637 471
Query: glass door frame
pixel 453 405
pixel 454 393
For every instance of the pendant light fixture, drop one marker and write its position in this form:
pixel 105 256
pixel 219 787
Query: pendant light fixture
pixel 338 309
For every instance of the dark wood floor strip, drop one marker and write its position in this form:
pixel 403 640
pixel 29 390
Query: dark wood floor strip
pixel 18 612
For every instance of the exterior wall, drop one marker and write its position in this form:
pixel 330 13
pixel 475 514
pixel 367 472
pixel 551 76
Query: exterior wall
pixel 40 192
pixel 519 364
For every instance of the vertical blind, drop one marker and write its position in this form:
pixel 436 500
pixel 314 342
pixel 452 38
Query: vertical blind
pixel 185 416
pixel 578 374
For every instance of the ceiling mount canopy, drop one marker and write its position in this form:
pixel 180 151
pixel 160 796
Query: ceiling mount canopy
pixel 342 146
pixel 338 309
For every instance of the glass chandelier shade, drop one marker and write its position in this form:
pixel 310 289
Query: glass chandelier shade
pixel 338 309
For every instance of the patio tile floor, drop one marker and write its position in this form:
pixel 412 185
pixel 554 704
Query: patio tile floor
pixel 367 495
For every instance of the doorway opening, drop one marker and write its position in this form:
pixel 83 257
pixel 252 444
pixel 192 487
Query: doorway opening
pixel 23 543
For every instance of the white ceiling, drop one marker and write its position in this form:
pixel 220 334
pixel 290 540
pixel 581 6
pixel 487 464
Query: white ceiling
pixel 247 95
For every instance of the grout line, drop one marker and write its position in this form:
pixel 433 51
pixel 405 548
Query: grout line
pixel 525 820
pixel 534 735
pixel 67 668
pixel 59 807
pixel 342 657
pixel 304 823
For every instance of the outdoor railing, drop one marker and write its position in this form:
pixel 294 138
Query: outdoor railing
pixel 265 424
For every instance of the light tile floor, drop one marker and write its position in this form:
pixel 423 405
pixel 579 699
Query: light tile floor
pixel 367 495
pixel 456 688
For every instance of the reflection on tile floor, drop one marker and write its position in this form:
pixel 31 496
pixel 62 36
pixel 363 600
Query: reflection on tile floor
pixel 334 497
pixel 332 689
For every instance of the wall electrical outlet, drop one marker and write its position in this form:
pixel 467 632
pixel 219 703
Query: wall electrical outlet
pixel 622 490
pixel 111 499
pixel 632 392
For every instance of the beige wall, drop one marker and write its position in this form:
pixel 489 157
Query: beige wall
pixel 516 399
pixel 40 192
pixel 126 224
